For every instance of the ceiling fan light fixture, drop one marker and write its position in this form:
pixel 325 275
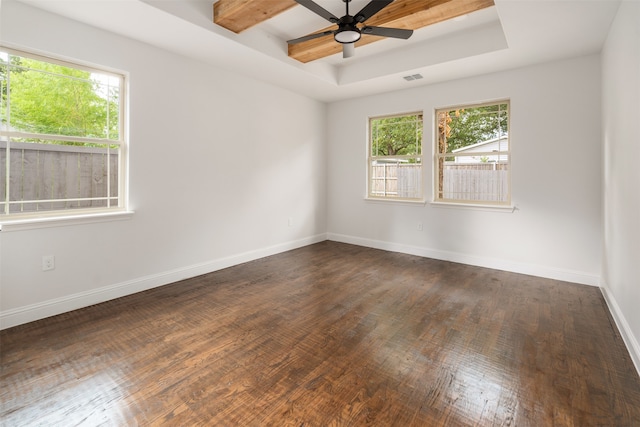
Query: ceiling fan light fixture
pixel 347 35
pixel 348 32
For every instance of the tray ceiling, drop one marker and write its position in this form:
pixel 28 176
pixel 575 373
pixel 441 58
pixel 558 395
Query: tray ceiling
pixel 509 34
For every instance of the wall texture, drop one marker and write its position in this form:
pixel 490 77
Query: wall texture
pixel 621 175
pixel 556 175
pixel 218 165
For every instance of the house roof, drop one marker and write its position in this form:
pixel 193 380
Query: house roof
pixel 479 144
pixel 508 35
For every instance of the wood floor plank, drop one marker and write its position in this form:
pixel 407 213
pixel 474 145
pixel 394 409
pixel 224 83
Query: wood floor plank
pixel 328 335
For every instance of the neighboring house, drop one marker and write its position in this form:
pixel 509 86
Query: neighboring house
pixel 484 149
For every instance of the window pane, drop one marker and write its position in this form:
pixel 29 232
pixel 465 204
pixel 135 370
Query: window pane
pixel 53 99
pixel 108 89
pixel 395 163
pixel 55 175
pixel 61 139
pixel 396 136
pixel 482 128
pixel 401 178
pixel 472 160
pixel 475 181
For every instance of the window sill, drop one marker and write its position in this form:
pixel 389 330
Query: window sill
pixel 19 224
pixel 473 206
pixel 402 201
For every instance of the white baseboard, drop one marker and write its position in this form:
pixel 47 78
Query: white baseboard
pixel 30 313
pixel 498 264
pixel 623 326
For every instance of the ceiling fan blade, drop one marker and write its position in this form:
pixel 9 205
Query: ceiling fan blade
pixel 397 33
pixel 318 10
pixel 371 9
pixel 348 50
pixel 309 37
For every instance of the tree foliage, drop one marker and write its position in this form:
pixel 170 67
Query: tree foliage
pixel 397 136
pixel 457 128
pixel 53 99
pixel 464 127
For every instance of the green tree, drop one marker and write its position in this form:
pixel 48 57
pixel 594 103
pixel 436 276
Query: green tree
pixel 53 99
pixel 477 124
pixel 396 136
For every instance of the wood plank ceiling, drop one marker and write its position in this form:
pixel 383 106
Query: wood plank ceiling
pixel 239 15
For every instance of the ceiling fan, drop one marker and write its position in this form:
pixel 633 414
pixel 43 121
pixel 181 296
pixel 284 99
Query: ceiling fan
pixel 348 31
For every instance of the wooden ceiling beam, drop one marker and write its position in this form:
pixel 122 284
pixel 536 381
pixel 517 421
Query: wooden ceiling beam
pixel 408 14
pixel 239 15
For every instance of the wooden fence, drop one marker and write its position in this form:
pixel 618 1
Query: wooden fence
pixel 45 177
pixel 481 182
pixel 397 180
pixel 462 181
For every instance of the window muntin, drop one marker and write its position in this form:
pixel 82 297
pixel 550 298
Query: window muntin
pixel 395 167
pixel 62 147
pixel 472 154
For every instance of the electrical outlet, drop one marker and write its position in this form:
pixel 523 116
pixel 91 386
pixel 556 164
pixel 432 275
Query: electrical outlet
pixel 48 262
pixel 290 222
pixel 419 226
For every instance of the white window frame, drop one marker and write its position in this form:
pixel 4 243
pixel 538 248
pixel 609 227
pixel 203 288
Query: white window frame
pixel 116 206
pixel 371 195
pixel 437 156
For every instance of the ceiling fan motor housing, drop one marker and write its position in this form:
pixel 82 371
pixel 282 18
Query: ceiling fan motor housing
pixel 347 31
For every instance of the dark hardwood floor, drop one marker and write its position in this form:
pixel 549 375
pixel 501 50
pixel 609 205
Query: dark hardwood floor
pixel 328 335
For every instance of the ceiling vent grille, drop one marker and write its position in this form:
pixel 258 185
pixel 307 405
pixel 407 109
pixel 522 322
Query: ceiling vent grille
pixel 413 77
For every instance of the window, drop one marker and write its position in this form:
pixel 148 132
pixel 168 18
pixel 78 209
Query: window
pixel 472 154
pixel 395 157
pixel 62 146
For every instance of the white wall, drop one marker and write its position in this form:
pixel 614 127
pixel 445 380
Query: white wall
pixel 556 179
pixel 218 164
pixel 621 175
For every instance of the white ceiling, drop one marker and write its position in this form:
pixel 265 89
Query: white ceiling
pixel 511 34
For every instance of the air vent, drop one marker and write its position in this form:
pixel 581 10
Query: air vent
pixel 413 77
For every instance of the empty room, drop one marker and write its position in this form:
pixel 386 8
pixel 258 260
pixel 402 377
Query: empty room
pixel 319 213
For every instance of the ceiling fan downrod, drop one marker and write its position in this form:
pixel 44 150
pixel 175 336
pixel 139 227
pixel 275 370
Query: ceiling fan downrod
pixel 347 31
